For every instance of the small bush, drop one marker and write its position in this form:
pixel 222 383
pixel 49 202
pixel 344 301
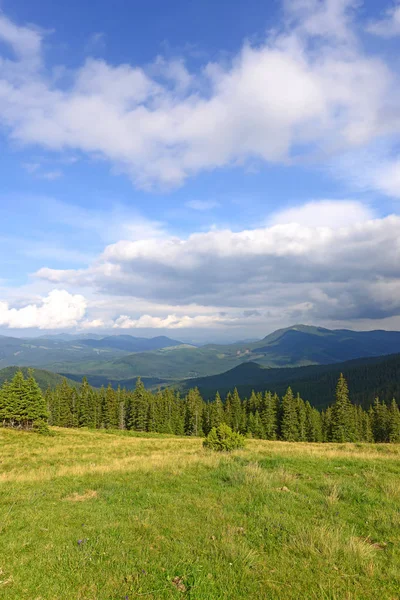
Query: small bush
pixel 223 439
pixel 40 426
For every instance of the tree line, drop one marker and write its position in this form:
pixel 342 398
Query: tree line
pixel 262 415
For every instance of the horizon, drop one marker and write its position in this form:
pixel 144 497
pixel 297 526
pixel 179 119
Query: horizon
pixel 238 173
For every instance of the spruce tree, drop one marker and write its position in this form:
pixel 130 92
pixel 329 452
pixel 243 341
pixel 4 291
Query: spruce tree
pixel 289 420
pixel 343 427
pixel 193 413
pixel 216 412
pixel 269 415
pixel 394 422
pixel 36 409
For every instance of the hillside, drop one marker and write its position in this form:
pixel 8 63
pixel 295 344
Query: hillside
pixel 367 378
pixel 45 379
pixel 295 346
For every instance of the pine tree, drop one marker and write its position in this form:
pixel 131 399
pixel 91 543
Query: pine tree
pixel 380 421
pixel 289 420
pixel 110 409
pixel 216 412
pixel 36 410
pixel 193 413
pixel 269 415
pixel 301 419
pixel 139 407
pixel 343 427
pixel 65 394
pixel 7 405
pixel 237 416
pixel 394 422
pixel 313 424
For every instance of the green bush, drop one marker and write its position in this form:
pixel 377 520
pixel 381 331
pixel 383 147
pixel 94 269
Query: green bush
pixel 223 439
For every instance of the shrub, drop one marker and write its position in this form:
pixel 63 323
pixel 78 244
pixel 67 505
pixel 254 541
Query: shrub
pixel 223 439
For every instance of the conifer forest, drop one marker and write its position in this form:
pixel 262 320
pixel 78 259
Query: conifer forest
pixel 262 415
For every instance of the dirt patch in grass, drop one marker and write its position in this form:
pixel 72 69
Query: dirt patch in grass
pixel 88 495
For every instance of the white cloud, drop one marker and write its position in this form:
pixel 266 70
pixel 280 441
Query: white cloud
pixel 174 321
pixel 94 324
pixel 274 102
pixel 58 310
pixel 326 213
pixel 389 25
pixel 25 41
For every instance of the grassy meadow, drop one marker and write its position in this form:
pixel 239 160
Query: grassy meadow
pixel 117 516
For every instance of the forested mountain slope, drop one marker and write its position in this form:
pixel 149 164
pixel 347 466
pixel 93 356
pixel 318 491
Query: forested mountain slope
pixel 367 377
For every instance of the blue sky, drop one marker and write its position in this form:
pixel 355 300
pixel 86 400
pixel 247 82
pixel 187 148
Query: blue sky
pixel 211 170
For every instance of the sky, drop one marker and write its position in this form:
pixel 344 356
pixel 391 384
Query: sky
pixel 205 170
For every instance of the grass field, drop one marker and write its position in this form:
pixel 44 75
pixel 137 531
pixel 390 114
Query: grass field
pixel 91 515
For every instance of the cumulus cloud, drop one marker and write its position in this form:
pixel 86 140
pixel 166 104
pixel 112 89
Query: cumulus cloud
pixel 58 310
pixel 308 88
pixel 326 213
pixel 292 266
pixel 389 25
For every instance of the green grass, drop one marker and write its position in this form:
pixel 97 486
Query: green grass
pixel 91 515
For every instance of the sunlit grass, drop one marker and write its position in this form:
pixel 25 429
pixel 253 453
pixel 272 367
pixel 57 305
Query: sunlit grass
pixel 92 515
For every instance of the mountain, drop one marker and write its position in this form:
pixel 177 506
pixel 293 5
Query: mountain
pixel 65 349
pixel 296 346
pixel 124 357
pixel 367 378
pixel 45 379
pixel 129 343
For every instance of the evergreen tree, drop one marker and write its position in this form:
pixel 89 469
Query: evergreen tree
pixel 65 394
pixel 289 419
pixel 301 419
pixel 193 413
pixel 380 421
pixel 343 426
pixel 394 422
pixel 237 416
pixel 111 409
pixel 269 415
pixel 216 412
pixel 36 409
pixel 313 424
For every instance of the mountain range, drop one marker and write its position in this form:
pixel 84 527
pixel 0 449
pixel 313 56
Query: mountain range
pixel 161 360
pixel 296 346
pixel 46 351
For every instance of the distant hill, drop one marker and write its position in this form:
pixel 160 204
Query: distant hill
pixel 45 379
pixel 129 343
pixel 296 346
pixel 65 349
pixel 367 378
